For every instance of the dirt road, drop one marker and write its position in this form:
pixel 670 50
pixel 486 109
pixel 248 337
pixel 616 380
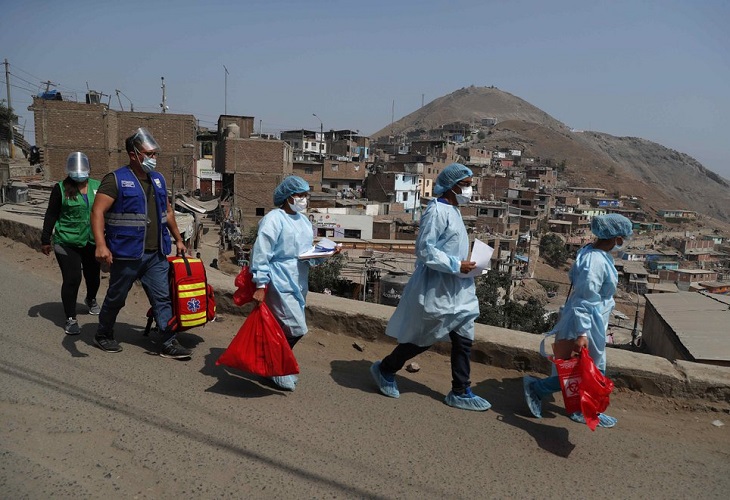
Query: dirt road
pixel 81 423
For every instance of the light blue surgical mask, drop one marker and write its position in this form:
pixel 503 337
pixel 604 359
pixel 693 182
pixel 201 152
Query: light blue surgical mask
pixel 79 177
pixel 149 164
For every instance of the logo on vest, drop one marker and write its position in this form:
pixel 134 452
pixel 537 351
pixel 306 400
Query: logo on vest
pixel 193 305
pixel 127 184
pixel 158 183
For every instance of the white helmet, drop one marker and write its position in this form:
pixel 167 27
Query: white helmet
pixel 77 166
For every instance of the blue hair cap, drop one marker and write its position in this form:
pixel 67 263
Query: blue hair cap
pixel 449 177
pixel 610 226
pixel 289 186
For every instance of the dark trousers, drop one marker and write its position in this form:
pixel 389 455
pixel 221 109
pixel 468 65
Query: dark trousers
pixel 460 364
pixel 74 261
pixel 292 341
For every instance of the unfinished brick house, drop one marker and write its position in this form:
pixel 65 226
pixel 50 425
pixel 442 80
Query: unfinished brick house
pixel 62 127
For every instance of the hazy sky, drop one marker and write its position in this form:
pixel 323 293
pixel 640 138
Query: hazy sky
pixel 659 70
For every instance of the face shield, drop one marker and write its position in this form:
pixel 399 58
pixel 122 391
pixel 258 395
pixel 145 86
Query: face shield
pixel 143 141
pixel 77 166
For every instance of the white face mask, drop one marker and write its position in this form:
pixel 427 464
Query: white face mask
pixel 299 205
pixel 619 248
pixel 465 196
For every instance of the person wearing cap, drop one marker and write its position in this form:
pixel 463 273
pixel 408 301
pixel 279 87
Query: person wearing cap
pixel 438 302
pixel 132 221
pixel 282 279
pixel 584 318
pixel 67 220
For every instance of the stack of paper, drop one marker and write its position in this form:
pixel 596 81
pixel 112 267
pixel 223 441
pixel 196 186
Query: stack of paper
pixel 481 253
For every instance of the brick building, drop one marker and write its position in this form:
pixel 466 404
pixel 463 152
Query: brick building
pixel 252 168
pixel 62 127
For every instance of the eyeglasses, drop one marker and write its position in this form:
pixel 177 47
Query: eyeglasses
pixel 300 195
pixel 150 154
pixel 463 184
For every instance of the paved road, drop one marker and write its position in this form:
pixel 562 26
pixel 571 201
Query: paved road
pixel 80 423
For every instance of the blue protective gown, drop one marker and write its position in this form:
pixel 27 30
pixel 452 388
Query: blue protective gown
pixel 281 239
pixel 436 301
pixel 594 279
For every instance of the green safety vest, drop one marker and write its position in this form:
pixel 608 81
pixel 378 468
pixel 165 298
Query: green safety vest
pixel 73 227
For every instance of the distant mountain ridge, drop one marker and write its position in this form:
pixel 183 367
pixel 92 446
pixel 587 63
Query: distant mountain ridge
pixel 662 177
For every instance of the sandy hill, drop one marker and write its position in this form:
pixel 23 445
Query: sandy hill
pixel 661 177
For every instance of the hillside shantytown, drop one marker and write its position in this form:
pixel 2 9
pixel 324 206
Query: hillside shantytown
pixel 368 193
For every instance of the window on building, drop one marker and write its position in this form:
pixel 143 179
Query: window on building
pixel 259 211
pixel 206 149
pixel 333 185
pixel 335 167
pixel 352 233
pixel 405 196
pixel 308 170
pixel 353 185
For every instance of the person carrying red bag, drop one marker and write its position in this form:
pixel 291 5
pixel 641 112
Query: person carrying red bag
pixel 584 319
pixel 282 279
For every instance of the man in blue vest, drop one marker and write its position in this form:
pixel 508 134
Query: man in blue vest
pixel 132 221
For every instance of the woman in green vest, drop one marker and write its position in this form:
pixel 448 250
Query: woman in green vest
pixel 68 219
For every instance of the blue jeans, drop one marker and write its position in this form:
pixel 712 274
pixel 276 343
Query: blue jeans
pixel 152 270
pixel 549 385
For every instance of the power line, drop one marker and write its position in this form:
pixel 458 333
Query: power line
pixel 23 71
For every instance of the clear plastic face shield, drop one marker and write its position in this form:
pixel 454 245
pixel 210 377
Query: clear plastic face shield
pixel 144 141
pixel 77 166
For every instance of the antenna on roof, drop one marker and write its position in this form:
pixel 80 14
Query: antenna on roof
pixel 164 105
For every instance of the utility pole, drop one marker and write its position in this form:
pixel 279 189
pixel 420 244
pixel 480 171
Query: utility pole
pixel 225 91
pixel 10 107
pixel 164 99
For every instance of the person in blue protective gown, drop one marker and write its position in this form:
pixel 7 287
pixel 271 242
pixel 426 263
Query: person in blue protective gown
pixel 283 235
pixel 437 302
pixel 584 318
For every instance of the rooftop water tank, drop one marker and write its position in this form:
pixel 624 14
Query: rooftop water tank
pixel 391 288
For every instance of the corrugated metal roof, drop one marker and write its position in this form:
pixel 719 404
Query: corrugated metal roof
pixel 700 321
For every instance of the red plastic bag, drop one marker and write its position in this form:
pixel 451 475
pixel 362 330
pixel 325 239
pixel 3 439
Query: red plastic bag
pixel 246 287
pixel 594 388
pixel 260 347
pixel 569 374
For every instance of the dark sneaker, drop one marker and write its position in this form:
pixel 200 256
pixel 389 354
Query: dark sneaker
pixel 174 350
pixel 72 327
pixel 93 306
pixel 107 344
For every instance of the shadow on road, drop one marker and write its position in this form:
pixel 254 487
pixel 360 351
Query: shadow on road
pixel 355 374
pixel 508 402
pixel 51 311
pixel 232 382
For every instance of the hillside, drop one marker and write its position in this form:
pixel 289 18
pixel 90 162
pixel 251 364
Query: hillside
pixel 661 177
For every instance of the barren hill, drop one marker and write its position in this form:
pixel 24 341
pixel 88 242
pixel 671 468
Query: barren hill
pixel 663 178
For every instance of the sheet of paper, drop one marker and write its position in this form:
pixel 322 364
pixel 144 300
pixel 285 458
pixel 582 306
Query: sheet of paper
pixel 481 253
pixel 313 253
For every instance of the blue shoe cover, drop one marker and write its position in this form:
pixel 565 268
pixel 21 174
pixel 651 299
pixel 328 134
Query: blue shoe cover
pixel 467 401
pixel 386 383
pixel 286 382
pixel 605 421
pixel 534 402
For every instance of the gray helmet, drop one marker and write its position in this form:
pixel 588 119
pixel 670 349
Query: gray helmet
pixel 77 166
pixel 143 140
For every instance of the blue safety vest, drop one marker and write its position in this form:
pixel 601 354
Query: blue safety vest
pixel 126 220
